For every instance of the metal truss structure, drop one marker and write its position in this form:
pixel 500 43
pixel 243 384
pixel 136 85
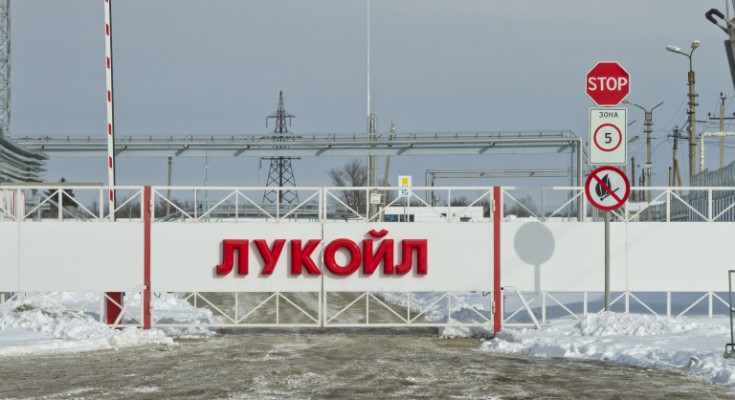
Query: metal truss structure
pixel 4 68
pixel 319 145
pixel 313 145
pixel 280 173
pixel 16 163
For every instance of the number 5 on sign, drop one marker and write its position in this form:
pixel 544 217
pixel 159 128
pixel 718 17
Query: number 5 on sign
pixel 608 144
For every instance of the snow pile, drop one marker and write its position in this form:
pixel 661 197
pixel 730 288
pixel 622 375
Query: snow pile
pixel 172 309
pixel 613 324
pixel 467 308
pixel 53 322
pixel 48 323
pixel 693 345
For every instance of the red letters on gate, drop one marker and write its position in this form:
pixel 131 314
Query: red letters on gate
pixel 269 255
pixel 229 246
pixel 369 256
pixel 302 257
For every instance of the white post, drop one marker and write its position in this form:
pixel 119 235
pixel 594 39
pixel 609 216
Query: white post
pixel 543 307
pixel 607 260
pixel 110 111
pixel 19 203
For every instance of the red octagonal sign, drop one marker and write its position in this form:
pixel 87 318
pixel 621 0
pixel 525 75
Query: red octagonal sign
pixel 607 83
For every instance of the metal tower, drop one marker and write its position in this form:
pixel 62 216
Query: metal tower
pixel 17 164
pixel 281 172
pixel 5 69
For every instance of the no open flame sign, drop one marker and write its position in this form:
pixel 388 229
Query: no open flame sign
pixel 607 188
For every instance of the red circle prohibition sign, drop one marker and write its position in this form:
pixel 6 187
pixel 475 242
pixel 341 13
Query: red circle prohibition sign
pixel 595 179
pixel 620 137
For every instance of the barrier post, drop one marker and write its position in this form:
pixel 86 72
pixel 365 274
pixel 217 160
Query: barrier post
pixel 497 297
pixel 114 299
pixel 147 205
pixel 113 303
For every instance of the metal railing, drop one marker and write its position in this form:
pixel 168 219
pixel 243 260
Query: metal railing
pixel 327 310
pixel 667 204
pixel 523 308
pixel 199 204
pixel 61 202
pixel 386 204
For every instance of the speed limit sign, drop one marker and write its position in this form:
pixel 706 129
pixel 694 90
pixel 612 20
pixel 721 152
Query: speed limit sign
pixel 608 144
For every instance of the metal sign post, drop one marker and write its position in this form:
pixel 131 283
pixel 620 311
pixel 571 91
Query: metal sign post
pixel 607 260
pixel 607 188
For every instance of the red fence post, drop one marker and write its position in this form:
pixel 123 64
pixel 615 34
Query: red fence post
pixel 113 305
pixel 147 257
pixel 114 300
pixel 497 298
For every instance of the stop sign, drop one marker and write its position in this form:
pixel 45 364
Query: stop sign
pixel 607 83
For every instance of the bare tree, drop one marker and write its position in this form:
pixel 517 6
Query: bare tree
pixel 460 201
pixel 352 174
pixel 487 207
pixel 524 207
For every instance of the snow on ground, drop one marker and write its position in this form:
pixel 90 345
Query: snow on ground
pixel 69 322
pixel 64 322
pixel 693 345
pixel 689 344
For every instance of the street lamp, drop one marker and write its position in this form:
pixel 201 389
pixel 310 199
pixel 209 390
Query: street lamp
pixel 692 104
pixel 648 123
pixel 632 166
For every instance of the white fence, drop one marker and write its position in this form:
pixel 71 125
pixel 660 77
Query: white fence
pixel 57 238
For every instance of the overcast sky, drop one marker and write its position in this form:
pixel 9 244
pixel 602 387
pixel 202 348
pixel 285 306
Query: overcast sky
pixel 216 67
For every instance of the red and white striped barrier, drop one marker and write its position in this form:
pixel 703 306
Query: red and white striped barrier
pixel 110 110
pixel 115 299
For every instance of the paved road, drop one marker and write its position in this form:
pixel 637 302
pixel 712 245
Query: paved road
pixel 331 364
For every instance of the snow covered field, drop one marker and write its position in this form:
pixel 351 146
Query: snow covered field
pixel 687 344
pixel 67 322
pixel 57 323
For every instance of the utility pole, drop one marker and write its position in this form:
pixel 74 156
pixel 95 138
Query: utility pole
pixel 722 119
pixel 372 125
pixel 386 173
pixel 643 177
pixel 372 163
pixel 5 69
pixel 722 129
pixel 648 128
pixel 168 192
pixel 692 106
pixel 692 123
pixel 632 177
pixel 676 177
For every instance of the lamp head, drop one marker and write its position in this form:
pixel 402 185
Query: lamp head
pixel 695 44
pixel 673 49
